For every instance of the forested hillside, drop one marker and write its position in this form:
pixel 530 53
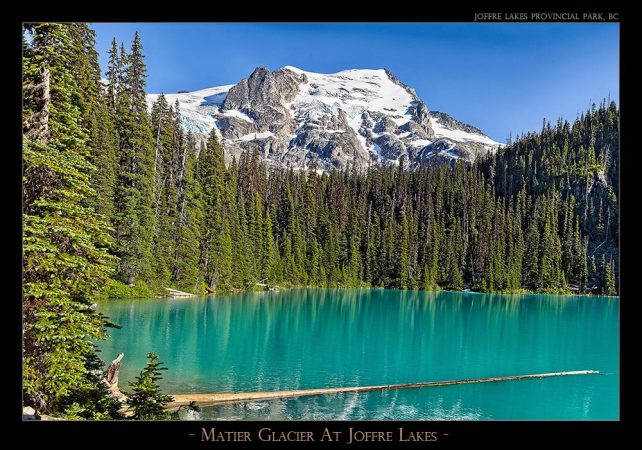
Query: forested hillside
pixel 573 171
pixel 540 214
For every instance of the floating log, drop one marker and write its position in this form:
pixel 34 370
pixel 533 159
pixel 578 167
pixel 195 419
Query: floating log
pixel 240 397
pixel 177 293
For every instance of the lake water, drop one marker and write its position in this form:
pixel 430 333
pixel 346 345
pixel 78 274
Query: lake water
pixel 315 338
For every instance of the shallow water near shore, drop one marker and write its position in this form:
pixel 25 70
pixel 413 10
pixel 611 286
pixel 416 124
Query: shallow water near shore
pixel 315 338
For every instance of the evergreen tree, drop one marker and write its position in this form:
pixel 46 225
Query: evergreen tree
pixel 216 245
pixel 104 157
pixel 65 260
pixel 134 219
pixel 146 399
pixel 185 274
pixel 403 271
pixel 608 277
pixel 113 75
pixel 268 252
pixel 169 144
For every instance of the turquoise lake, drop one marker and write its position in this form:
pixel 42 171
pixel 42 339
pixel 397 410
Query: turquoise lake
pixel 315 338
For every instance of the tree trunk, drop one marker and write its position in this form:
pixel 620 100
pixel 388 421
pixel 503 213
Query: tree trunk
pixel 111 377
pixel 36 127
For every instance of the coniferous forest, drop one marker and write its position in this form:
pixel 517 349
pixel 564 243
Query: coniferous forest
pixel 120 201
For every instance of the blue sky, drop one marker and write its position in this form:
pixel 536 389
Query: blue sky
pixel 502 78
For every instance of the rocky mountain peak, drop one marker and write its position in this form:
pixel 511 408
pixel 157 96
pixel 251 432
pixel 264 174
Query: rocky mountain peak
pixel 358 116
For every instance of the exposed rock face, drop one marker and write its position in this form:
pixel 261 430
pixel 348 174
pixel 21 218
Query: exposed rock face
pixel 263 98
pixel 454 124
pixel 328 142
pixel 391 147
pixel 255 115
pixel 385 125
pixel 355 117
pixel 422 130
pixel 234 128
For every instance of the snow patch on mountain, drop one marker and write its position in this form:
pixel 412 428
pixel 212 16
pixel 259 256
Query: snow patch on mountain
pixel 355 91
pixel 357 116
pixel 198 108
pixel 256 136
pixel 237 113
pixel 442 131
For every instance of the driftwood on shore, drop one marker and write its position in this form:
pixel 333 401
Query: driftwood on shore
pixel 176 293
pixel 268 287
pixel 240 397
pixel 111 378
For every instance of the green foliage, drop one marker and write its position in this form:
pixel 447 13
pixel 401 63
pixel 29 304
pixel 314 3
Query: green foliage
pixel 94 402
pixel 116 289
pixel 65 259
pixel 216 245
pixel 433 227
pixel 608 277
pixel 134 220
pixel 185 273
pixel 146 399
pixel 566 180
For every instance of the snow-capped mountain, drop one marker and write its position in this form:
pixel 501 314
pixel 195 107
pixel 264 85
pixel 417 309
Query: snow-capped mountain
pixel 294 117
